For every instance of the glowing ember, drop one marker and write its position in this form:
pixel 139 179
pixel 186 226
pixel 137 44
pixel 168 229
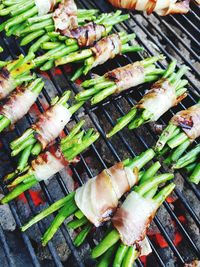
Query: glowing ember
pixel 36 197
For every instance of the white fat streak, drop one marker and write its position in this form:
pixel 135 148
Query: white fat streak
pixel 85 203
pixel 43 6
pixel 88 203
pixel 52 127
pixel 138 210
pixel 46 170
pixel 145 247
pixel 160 103
pixel 131 176
pixel 8 86
pixel 16 109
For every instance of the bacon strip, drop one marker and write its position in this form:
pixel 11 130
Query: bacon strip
pixel 18 104
pixel 189 121
pixel 86 35
pixel 161 7
pixel 133 218
pixel 45 6
pixel 106 48
pixel 48 163
pixel 65 16
pixel 159 99
pixel 98 198
pixel 51 123
pixel 6 83
pixel 127 76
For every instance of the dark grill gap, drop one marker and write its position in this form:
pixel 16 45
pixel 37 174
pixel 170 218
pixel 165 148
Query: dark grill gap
pixel 165 37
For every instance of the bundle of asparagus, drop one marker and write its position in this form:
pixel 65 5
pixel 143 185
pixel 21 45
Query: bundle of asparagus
pixel 94 202
pixel 106 48
pixel 190 161
pixel 31 20
pixel 127 241
pixel 182 130
pixel 86 34
pixel 47 128
pixel 53 160
pixel 163 95
pixel 14 73
pixel 19 103
pixel 120 79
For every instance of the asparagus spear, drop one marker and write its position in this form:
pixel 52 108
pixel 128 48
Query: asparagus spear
pixel 29 143
pixel 42 168
pixel 190 157
pixel 195 176
pixel 15 100
pixel 103 86
pixel 67 206
pixel 140 115
pixel 125 255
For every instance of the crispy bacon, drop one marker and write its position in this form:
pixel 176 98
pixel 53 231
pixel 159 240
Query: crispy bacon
pixel 127 76
pixel 6 83
pixel 65 16
pixel 159 99
pixel 161 7
pixel 106 48
pixel 133 218
pixel 44 7
pixel 51 123
pixel 98 198
pixel 189 121
pixel 86 35
pixel 48 163
pixel 18 104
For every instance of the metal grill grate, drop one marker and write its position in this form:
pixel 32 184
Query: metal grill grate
pixel 176 36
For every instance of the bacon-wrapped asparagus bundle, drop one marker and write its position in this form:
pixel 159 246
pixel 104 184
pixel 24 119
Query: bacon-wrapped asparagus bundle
pixel 19 102
pixel 190 161
pixel 127 241
pixel 14 73
pixel 120 79
pixel 161 7
pixel 183 129
pixel 95 202
pixel 105 49
pixel 66 15
pixel 53 160
pixel 47 128
pixel 163 95
pixel 84 35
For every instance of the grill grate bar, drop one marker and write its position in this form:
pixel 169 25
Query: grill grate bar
pixel 6 248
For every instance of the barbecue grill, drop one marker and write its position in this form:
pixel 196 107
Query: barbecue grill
pixel 174 234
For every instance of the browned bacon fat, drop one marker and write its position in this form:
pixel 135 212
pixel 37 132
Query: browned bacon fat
pixel 65 16
pixel 51 123
pixel 106 48
pixel 159 99
pixel 161 7
pixel 189 121
pixel 86 35
pixel 18 104
pixel 45 7
pixel 98 198
pixel 48 163
pixel 7 83
pixel 133 218
pixel 127 76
